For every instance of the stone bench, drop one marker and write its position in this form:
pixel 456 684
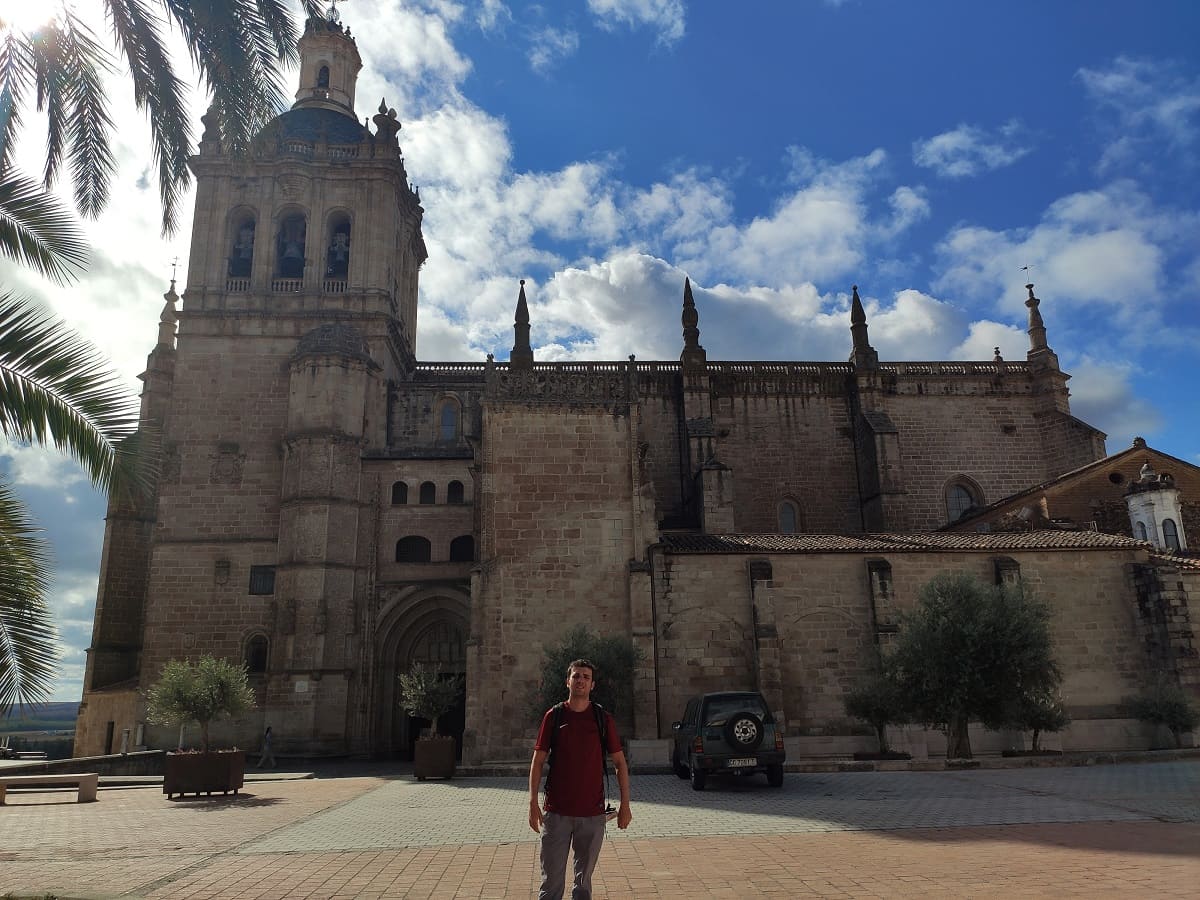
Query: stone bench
pixel 87 783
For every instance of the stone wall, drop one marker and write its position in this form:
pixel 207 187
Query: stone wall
pixel 557 523
pixel 826 639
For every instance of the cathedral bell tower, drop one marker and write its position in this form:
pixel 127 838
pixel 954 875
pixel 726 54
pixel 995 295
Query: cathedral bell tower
pixel 300 308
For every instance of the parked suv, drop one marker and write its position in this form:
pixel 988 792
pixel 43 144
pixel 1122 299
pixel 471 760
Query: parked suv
pixel 731 732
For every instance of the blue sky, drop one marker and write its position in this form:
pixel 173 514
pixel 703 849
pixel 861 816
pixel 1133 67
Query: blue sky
pixel 776 152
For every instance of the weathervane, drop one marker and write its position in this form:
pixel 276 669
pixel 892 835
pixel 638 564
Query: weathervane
pixel 174 266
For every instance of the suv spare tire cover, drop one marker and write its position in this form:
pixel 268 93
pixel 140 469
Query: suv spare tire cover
pixel 744 731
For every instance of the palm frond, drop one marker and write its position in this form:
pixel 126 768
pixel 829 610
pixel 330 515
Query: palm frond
pixel 162 94
pixel 89 122
pixel 227 40
pixel 37 231
pixel 56 388
pixel 27 637
pixel 15 74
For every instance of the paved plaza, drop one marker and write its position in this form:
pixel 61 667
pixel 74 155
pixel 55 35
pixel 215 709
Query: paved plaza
pixel 1132 830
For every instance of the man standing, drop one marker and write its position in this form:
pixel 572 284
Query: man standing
pixel 574 816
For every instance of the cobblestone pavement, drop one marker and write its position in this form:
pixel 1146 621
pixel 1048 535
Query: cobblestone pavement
pixel 1131 829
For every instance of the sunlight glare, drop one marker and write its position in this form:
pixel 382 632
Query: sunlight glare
pixel 27 15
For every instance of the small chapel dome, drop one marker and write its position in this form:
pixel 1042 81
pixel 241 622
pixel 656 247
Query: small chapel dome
pixel 334 339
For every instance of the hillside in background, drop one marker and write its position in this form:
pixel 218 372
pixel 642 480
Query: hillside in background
pixel 43 717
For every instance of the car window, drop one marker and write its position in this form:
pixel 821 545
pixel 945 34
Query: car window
pixel 719 709
pixel 689 717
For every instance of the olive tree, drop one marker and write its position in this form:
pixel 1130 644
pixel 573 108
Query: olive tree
pixel 876 699
pixel 198 692
pixel 615 658
pixel 971 651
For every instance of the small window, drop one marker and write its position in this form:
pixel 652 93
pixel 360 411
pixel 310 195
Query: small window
pixel 462 549
pixel 1140 531
pixel 454 492
pixel 789 519
pixel 448 422
pixel 399 493
pixel 413 549
pixel 1170 534
pixel 323 77
pixel 262 579
pixel 958 500
pixel 428 492
pixel 257 650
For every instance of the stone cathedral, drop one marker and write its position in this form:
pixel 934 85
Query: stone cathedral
pixel 330 509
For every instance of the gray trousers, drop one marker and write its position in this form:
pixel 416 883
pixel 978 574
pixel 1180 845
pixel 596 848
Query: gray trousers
pixel 585 835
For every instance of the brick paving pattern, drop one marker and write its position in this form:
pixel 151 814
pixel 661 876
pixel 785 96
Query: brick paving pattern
pixel 1129 830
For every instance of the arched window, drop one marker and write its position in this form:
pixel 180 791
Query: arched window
pixel 412 549
pixel 1140 531
pixel 1170 534
pixel 448 422
pixel 454 492
pixel 399 493
pixel 428 492
pixel 257 651
pixel 959 499
pixel 289 249
pixel 789 518
pixel 337 253
pixel 323 77
pixel 462 549
pixel 441 645
pixel 241 253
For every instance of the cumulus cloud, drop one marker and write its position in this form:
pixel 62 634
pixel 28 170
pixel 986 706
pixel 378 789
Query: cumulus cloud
pixel 667 16
pixel 970 150
pixel 1107 246
pixel 1103 396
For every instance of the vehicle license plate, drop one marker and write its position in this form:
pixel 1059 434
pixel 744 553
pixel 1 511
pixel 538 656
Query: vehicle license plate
pixel 742 763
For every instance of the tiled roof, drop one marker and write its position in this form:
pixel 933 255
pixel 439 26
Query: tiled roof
pixel 923 542
pixel 1037 489
pixel 1192 563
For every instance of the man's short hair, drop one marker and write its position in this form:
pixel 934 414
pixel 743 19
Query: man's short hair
pixel 581 664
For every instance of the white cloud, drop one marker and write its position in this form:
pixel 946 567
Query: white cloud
pixel 550 46
pixel 1151 105
pixel 1101 394
pixel 37 466
pixel 491 14
pixel 985 336
pixel 818 232
pixel 1106 246
pixel 665 15
pixel 970 150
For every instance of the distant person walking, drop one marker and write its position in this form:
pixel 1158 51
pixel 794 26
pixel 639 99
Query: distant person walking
pixel 268 753
pixel 575 815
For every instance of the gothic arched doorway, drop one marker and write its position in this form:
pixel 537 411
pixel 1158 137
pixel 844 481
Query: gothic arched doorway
pixel 430 630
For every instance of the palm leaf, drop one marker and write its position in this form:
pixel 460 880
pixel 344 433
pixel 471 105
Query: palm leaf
pixel 55 388
pixel 161 93
pixel 89 123
pixel 27 636
pixel 15 73
pixel 37 231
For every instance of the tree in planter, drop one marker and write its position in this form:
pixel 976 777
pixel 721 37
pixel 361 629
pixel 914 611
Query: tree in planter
pixel 615 659
pixel 877 700
pixel 201 692
pixel 1167 704
pixel 427 694
pixel 970 651
pixel 1037 713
